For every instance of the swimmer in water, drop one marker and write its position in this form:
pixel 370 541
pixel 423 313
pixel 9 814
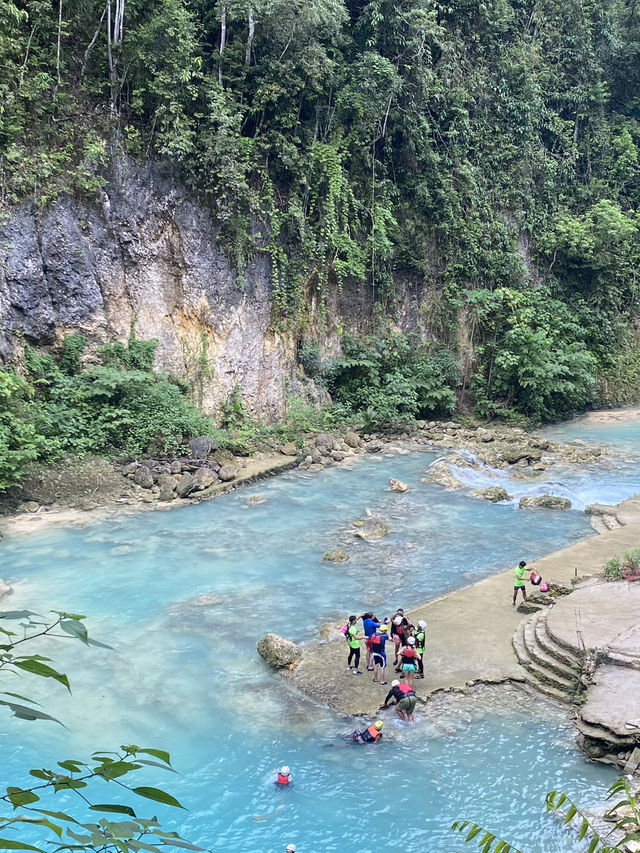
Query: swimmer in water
pixel 373 734
pixel 284 777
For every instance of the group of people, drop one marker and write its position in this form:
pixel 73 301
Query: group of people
pixel 408 645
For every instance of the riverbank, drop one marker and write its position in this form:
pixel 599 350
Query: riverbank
pixel 253 469
pixel 469 633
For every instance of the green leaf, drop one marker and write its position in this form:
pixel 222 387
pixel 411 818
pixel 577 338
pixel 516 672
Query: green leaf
pixel 115 769
pixel 19 797
pixel 35 667
pixel 178 842
pixel 57 815
pixel 72 766
pixel 97 643
pixel 10 844
pixel 158 796
pixel 47 775
pixel 155 764
pixel 18 614
pixel 25 713
pixel 158 753
pixel 113 808
pixel 75 629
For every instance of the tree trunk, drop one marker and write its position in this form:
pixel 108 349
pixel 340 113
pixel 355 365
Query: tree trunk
pixel 223 39
pixel 252 27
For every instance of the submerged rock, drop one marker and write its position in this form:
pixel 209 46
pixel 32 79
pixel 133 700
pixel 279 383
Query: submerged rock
pixel 337 556
pixel 440 473
pixel 545 502
pixel 278 652
pixel 397 485
pixel 495 494
pixel 372 528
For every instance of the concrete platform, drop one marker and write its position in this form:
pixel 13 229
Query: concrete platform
pixel 469 631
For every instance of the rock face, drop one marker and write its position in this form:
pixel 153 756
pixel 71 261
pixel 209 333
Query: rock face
pixel 495 494
pixel 545 502
pixel 278 652
pixel 440 472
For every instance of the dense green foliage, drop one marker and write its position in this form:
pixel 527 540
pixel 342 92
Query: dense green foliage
pixel 487 151
pixel 388 378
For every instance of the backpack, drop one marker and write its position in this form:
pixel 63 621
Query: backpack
pixel 376 641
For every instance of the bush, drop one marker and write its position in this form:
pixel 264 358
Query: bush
pixel 613 569
pixel 390 378
pixel 631 563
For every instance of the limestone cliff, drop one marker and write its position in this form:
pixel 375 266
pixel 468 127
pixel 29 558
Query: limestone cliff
pixel 147 252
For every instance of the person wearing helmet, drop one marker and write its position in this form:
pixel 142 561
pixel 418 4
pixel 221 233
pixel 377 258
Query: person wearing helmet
pixel 370 623
pixel 379 654
pixel 291 848
pixel 372 734
pixel 284 777
pixel 409 657
pixel 405 698
pixel 399 630
pixel 420 646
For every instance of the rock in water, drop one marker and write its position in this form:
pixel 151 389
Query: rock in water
pixel 372 528
pixel 397 485
pixel 440 472
pixel 545 502
pixel 493 494
pixel 336 556
pixel 278 652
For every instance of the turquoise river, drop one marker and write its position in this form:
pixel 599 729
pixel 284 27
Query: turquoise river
pixel 184 595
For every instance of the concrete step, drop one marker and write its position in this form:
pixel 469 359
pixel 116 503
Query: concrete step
pixel 547 689
pixel 550 646
pixel 543 657
pixel 540 674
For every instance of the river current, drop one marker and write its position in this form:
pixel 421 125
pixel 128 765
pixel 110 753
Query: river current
pixel 183 596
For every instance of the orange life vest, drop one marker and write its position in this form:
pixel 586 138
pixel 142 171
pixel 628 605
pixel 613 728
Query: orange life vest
pixel 373 731
pixel 404 688
pixel 283 780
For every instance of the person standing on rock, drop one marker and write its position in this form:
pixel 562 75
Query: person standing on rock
pixel 353 639
pixel 420 646
pixel 405 697
pixel 379 654
pixel 370 625
pixel 399 630
pixel 519 583
pixel 409 657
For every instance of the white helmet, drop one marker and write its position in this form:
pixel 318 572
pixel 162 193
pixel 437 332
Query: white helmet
pixel 395 683
pixel 422 624
pixel 411 641
pixel 285 771
pixel 291 848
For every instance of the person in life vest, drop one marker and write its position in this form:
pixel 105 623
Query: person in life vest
pixel 421 634
pixel 399 630
pixel 405 697
pixel 284 776
pixel 372 734
pixel 518 583
pixel 291 848
pixel 409 657
pixel 379 654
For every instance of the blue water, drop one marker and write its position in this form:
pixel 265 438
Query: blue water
pixel 184 595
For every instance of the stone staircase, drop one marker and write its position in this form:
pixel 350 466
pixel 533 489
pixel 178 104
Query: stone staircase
pixel 552 668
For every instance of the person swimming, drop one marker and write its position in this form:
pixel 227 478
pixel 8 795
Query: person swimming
pixel 284 776
pixel 372 734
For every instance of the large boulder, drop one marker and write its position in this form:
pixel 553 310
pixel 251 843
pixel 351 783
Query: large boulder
pixel 186 484
pixel 143 477
pixel 201 447
pixel 278 652
pixel 205 477
pixel 495 494
pixel 545 502
pixel 289 449
pixel 352 439
pixel 228 472
pixel 513 455
pixel 371 528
